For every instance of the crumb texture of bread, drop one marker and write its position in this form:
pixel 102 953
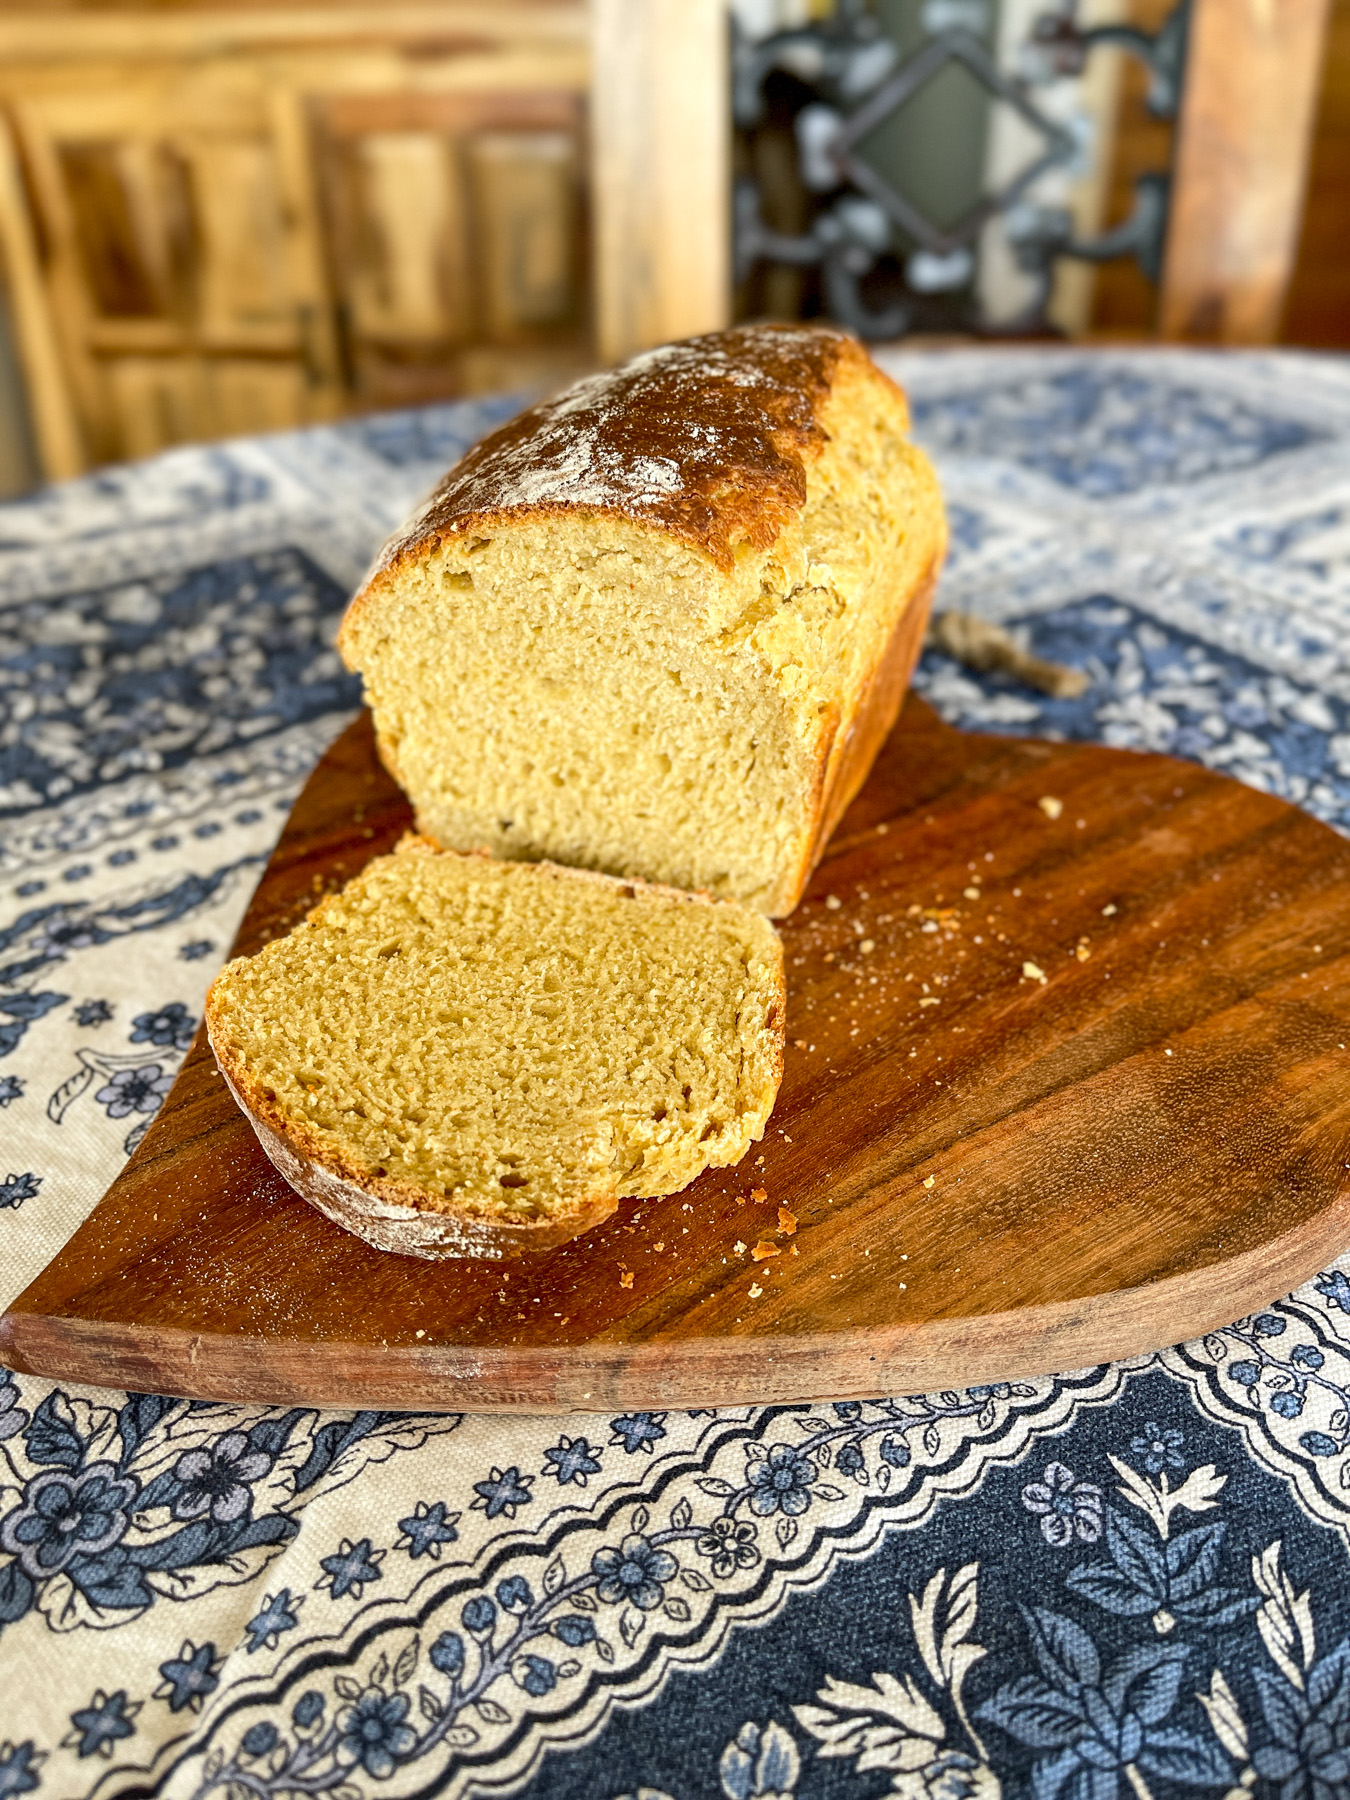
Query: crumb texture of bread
pixel 461 1056
pixel 633 629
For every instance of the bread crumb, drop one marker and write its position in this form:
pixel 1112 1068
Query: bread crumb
pixel 758 1195
pixel 739 1247
pixel 932 1000
pixel 787 1222
pixel 833 902
pixel 764 1249
pixel 793 1251
pixel 799 1043
pixel 1033 972
pixel 971 893
pixel 867 946
pixel 659 1245
pixel 755 1290
pixel 930 1181
pixel 1082 950
pixel 626 1278
pixel 1051 807
pixel 1109 912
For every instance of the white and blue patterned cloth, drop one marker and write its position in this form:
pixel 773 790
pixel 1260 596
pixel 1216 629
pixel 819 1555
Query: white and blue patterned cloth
pixel 1122 1581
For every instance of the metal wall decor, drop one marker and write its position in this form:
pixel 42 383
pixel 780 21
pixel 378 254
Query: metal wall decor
pixel 885 265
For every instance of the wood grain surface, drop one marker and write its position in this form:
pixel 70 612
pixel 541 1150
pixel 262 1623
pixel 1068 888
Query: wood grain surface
pixel 972 1173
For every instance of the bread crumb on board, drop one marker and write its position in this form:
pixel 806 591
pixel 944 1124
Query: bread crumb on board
pixel 626 1278
pixel 787 1222
pixel 1051 807
pixel 764 1249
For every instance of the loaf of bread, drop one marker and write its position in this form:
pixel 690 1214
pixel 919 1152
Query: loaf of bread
pixel 461 1057
pixel 660 625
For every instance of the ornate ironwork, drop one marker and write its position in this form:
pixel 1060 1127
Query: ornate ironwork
pixel 855 80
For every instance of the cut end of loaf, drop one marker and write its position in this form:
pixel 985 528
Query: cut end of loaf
pixel 636 628
pixel 462 1057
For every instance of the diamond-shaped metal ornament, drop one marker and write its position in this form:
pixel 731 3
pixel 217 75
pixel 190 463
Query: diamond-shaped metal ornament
pixel 962 47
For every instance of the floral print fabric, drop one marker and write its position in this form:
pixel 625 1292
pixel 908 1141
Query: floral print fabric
pixel 1124 1581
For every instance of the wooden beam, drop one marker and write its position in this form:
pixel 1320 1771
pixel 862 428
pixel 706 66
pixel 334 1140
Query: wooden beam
pixel 661 180
pixel 59 444
pixel 146 33
pixel 1240 168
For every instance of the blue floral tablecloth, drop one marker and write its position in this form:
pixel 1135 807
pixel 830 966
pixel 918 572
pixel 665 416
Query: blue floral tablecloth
pixel 1121 1581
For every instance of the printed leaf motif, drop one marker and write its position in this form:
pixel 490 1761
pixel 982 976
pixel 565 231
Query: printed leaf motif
pixel 1285 1618
pixel 1225 1716
pixel 554 1575
pixel 52 1437
pixel 681 1514
pixel 347 1688
pixel 631 1625
pixel 491 1713
pixel 428 1705
pixel 1034 1713
pixel 1198 1493
pixel 406 1664
pixel 69 1092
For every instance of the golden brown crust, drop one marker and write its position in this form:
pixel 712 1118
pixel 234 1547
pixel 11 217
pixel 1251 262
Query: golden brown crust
pixel 706 440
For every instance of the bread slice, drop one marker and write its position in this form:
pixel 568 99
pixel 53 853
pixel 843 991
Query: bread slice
pixel 660 625
pixel 461 1057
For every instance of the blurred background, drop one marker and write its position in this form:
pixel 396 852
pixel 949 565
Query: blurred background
pixel 220 219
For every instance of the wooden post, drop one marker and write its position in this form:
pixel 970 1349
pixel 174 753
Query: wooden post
pixel 1240 167
pixel 59 445
pixel 661 181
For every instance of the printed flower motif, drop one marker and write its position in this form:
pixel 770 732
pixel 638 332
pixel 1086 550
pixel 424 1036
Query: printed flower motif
pixel 172 1025
pixel 15 1189
pixel 573 1459
pixel 19 1765
pixel 447 1653
pixel 218 1480
pixel 514 1595
pixel 1068 1508
pixel 426 1529
pixel 1269 1325
pixel 350 1570
pixel 638 1431
pixel 197 949
pixel 730 1543
pixel 536 1674
pixel 503 1492
pixel 895 1451
pixel 634 1572
pixel 760 1764
pixel 93 1012
pixel 573 1629
pixel 98 1726
pixel 371 1732
pixel 59 935
pixel 13 1417
pixel 134 1090
pixel 479 1615
pixel 1306 1356
pixel 278 1614
pixel 1159 1447
pixel 1246 1374
pixel 1288 1404
pixel 849 1460
pixel 11 1088
pixel 307 1709
pixel 781 1481
pixel 65 1515
pixel 1334 1287
pixel 190 1676
pixel 259 1739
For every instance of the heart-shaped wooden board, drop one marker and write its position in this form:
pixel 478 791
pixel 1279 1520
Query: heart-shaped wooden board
pixel 1067 1079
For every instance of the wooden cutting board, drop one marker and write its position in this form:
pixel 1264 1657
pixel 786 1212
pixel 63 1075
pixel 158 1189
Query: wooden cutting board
pixel 1067 1079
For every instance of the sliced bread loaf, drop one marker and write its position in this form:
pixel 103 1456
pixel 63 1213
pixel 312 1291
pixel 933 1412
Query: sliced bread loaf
pixel 461 1057
pixel 661 624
